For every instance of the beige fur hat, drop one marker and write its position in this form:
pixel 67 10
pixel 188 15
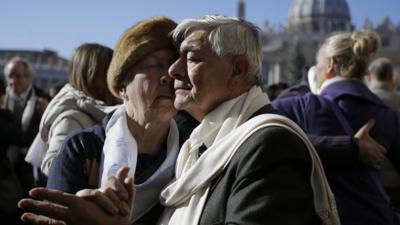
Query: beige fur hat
pixel 143 38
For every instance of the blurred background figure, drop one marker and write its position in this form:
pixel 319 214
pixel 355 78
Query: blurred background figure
pixel 274 90
pixel 80 103
pixel 298 89
pixel 53 91
pixel 381 81
pixel 27 104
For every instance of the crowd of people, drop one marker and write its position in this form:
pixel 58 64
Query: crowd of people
pixel 172 127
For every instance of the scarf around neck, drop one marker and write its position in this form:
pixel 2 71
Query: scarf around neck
pixel 223 131
pixel 27 100
pixel 120 149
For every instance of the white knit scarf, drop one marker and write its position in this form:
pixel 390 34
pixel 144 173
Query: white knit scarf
pixel 120 149
pixel 224 130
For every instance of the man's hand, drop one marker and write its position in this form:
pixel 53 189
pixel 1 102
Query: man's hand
pixel 60 208
pixel 370 151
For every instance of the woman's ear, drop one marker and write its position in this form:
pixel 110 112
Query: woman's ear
pixel 330 73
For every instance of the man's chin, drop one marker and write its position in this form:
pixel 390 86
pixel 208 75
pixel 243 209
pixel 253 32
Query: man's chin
pixel 180 104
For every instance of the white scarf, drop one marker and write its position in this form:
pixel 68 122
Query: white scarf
pixel 30 105
pixel 120 149
pixel 225 129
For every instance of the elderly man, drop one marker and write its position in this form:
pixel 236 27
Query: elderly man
pixel 27 103
pixel 381 81
pixel 242 164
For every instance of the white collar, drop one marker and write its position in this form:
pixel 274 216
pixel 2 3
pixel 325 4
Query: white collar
pixel 23 96
pixel 328 82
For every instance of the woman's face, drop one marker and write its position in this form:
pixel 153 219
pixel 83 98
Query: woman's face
pixel 149 96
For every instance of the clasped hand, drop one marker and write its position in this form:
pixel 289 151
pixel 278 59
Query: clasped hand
pixel 111 204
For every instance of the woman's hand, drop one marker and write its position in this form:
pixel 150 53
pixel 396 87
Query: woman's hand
pixel 116 196
pixel 59 208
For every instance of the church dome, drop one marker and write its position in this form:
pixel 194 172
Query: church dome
pixel 319 16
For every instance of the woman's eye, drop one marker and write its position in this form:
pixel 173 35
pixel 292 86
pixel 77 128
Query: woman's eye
pixel 150 66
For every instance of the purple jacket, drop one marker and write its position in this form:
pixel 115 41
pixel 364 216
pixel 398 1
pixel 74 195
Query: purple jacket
pixel 359 193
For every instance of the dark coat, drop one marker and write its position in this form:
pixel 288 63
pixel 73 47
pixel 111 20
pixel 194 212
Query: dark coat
pixel 266 182
pixel 10 134
pixel 17 155
pixel 359 193
pixel 33 127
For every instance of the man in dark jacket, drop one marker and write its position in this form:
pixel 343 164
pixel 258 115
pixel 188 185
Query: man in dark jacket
pixel 27 104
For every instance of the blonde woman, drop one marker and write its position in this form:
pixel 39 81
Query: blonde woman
pixel 343 105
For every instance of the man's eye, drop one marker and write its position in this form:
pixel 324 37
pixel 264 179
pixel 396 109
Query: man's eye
pixel 193 59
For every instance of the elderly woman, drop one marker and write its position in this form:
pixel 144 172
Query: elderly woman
pixel 80 103
pixel 343 105
pixel 140 133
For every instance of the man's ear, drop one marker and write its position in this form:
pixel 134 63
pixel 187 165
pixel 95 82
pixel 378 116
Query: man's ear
pixel 240 69
pixel 240 66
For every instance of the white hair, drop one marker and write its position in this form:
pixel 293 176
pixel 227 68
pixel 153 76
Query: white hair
pixel 28 68
pixel 228 36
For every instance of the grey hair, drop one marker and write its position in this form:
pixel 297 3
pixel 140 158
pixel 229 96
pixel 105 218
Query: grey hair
pixel 228 36
pixel 28 68
pixel 382 69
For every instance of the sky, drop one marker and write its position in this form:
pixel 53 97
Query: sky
pixel 62 25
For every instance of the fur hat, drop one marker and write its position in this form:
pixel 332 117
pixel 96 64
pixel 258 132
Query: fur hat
pixel 143 38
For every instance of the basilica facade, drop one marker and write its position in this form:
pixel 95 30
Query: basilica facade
pixel 309 23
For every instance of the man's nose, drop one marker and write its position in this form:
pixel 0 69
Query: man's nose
pixel 178 69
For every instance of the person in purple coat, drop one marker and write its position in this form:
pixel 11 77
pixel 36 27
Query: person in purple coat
pixel 341 107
